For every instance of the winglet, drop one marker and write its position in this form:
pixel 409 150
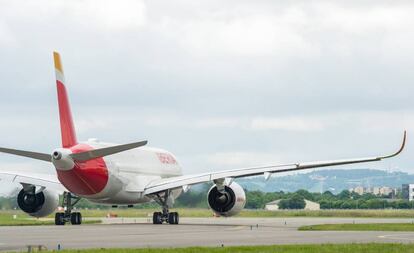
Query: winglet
pixel 67 127
pixel 400 150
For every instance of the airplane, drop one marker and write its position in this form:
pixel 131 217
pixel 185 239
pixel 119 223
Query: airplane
pixel 129 174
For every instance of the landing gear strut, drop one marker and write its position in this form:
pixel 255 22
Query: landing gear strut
pixel 165 216
pixel 75 218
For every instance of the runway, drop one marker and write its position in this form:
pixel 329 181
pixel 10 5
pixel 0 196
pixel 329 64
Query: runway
pixel 193 232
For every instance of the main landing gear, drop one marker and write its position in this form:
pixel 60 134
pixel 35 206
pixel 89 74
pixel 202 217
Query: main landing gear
pixel 165 216
pixel 75 218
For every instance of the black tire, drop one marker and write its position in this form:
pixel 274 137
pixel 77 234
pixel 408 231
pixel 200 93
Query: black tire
pixel 174 218
pixel 79 218
pixel 75 218
pixel 171 218
pixel 177 218
pixel 156 218
pixel 59 219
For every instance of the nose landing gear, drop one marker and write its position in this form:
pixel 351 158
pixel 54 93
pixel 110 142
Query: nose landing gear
pixel 75 218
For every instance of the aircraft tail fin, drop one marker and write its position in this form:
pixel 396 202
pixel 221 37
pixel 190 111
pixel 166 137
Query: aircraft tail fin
pixel 67 127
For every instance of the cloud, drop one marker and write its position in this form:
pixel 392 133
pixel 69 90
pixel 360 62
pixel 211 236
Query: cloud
pixel 301 30
pixel 220 84
pixel 87 14
pixel 287 124
pixel 108 14
pixel 243 31
pixel 91 125
pixel 294 123
pixel 240 159
pixel 6 37
pixel 364 120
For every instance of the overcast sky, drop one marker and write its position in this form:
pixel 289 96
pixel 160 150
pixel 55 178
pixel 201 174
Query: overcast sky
pixel 221 84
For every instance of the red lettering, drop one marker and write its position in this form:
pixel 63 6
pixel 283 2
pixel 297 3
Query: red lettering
pixel 166 158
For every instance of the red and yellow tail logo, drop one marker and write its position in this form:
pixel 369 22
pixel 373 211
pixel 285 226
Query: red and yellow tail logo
pixel 67 128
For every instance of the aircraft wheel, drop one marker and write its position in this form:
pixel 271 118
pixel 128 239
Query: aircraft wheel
pixel 76 218
pixel 157 218
pixel 177 218
pixel 173 218
pixel 79 218
pixel 59 219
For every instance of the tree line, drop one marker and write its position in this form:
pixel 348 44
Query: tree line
pixel 258 200
pixel 295 200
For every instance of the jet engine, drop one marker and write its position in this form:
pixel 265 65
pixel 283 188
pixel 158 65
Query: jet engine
pixel 228 201
pixel 38 204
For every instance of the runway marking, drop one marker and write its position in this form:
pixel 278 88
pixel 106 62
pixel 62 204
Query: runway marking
pixel 397 237
pixel 241 227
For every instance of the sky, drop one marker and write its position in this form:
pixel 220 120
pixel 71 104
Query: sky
pixel 221 84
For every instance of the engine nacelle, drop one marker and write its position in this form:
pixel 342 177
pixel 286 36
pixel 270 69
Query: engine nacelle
pixel 228 202
pixel 38 205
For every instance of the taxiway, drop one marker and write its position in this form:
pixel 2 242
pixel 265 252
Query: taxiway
pixel 139 232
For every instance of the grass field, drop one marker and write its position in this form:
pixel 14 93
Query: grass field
pixel 323 248
pixel 22 219
pixel 193 212
pixel 361 227
pixel 6 217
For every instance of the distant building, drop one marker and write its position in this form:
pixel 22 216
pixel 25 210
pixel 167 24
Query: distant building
pixel 359 189
pixel 310 205
pixel 382 190
pixel 408 191
pixel 386 191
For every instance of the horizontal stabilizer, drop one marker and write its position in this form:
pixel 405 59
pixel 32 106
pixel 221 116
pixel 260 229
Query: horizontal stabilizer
pixel 101 152
pixel 30 154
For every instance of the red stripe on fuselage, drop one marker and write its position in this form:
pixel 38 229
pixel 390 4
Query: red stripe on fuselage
pixel 86 178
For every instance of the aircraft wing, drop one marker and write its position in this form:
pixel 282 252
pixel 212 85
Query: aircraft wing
pixel 186 181
pixel 47 181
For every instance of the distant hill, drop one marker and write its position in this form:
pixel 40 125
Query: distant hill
pixel 334 180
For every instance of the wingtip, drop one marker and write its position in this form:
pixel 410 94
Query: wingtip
pixel 404 139
pixel 403 143
pixel 401 148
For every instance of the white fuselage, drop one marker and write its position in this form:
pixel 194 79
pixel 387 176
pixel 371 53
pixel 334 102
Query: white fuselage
pixel 131 171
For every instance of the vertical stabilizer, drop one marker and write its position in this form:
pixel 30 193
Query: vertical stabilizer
pixel 66 122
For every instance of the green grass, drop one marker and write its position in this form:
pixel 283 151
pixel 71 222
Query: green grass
pixel 6 217
pixel 361 227
pixel 318 248
pixel 22 219
pixel 387 213
pixel 196 212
